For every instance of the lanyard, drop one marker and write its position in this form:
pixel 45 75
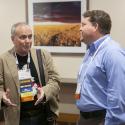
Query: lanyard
pixel 94 55
pixel 28 60
pixel 78 89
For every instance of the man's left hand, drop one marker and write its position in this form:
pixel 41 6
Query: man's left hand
pixel 40 95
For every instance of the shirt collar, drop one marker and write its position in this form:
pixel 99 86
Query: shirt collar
pixel 94 46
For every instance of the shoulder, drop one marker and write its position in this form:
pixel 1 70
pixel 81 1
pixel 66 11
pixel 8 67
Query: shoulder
pixel 113 52
pixel 5 58
pixel 113 48
pixel 7 54
pixel 44 53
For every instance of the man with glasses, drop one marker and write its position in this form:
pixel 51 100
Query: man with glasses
pixel 22 94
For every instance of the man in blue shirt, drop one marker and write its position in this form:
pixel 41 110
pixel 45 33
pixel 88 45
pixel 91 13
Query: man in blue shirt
pixel 101 78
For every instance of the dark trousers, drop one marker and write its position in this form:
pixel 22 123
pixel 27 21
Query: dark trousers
pixel 92 118
pixel 34 120
pixel 37 119
pixel 91 121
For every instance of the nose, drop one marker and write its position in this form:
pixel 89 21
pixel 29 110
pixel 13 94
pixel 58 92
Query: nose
pixel 28 38
pixel 80 28
pixel 28 41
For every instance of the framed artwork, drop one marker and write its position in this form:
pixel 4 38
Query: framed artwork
pixel 56 24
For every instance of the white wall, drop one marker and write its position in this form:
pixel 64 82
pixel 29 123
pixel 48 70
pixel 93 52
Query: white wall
pixel 12 11
pixel 116 9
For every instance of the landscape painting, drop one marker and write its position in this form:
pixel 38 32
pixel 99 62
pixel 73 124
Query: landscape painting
pixel 56 24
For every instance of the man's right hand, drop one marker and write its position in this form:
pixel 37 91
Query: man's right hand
pixel 6 98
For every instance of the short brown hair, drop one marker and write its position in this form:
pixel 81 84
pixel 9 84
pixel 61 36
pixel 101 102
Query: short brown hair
pixel 101 18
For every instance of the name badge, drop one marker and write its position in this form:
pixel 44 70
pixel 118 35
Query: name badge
pixel 26 85
pixel 24 74
pixel 77 93
pixel 26 90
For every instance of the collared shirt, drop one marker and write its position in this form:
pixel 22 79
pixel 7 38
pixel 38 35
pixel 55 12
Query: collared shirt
pixel 102 79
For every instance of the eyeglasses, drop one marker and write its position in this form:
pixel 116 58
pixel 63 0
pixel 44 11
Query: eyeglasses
pixel 23 37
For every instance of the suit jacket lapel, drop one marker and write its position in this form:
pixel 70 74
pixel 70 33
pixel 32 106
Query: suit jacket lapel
pixel 12 67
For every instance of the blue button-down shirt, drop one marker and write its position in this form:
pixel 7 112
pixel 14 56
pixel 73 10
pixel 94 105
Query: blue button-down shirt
pixel 102 79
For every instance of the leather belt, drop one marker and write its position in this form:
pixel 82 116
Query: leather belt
pixel 93 114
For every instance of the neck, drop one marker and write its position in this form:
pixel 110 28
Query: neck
pixel 21 53
pixel 95 38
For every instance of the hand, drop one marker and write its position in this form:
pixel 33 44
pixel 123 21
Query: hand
pixel 6 98
pixel 40 95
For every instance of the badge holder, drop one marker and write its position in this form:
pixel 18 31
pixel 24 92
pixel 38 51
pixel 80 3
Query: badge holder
pixel 77 93
pixel 26 90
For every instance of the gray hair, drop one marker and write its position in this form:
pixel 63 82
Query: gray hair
pixel 14 26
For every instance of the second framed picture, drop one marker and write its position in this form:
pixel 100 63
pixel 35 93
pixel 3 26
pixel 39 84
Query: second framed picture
pixel 56 24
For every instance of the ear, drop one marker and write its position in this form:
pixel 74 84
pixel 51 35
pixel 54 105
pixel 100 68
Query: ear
pixel 12 38
pixel 95 27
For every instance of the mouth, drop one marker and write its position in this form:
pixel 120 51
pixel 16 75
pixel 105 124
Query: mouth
pixel 81 39
pixel 27 47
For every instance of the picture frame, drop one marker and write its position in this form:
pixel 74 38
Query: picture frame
pixel 56 24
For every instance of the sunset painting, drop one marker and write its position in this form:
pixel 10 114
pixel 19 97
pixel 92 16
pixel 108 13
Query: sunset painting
pixel 57 23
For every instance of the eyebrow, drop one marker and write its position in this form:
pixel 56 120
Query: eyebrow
pixel 23 36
